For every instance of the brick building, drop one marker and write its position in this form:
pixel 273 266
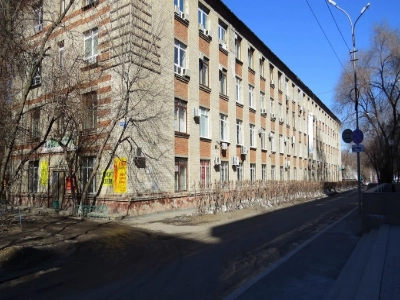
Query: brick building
pixel 167 95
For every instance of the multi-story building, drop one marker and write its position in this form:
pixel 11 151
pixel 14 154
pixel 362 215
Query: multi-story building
pixel 165 95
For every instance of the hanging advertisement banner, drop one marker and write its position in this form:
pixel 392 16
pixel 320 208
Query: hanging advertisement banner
pixel 120 175
pixel 108 178
pixel 44 173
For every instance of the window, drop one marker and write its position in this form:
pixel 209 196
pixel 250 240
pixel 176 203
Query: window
pixel 179 57
pixel 179 4
pixel 293 89
pixel 251 97
pixel 287 87
pixel 222 33
pixel 222 82
pixel 293 119
pixel 239 171
pixel 223 124
pixel 272 105
pixel 262 134
pixel 224 172
pixel 89 110
pixel 280 111
pixel 272 172
pixel 238 42
pixel 252 172
pixel 262 100
pixel 250 56
pixel 238 90
pixel 294 174
pixel 180 174
pixel 33 176
pixel 281 173
pixel 272 140
pixel 204 122
pixel 288 173
pixel 288 144
pixel 62 5
pixel 38 21
pixel 37 78
pixel 87 167
pixel 252 135
pixel 61 55
pixel 205 172
pixel 271 74
pixel 287 117
pixel 91 45
pixel 263 172
pixel 279 81
pixel 239 132
pixel 262 63
pixel 35 123
pixel 203 71
pixel 180 115
pixel 202 16
pixel 280 144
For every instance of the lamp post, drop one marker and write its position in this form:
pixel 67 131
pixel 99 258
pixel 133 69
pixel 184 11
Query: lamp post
pixel 353 52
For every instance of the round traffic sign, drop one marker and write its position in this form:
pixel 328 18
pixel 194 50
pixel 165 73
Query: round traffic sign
pixel 357 136
pixel 347 135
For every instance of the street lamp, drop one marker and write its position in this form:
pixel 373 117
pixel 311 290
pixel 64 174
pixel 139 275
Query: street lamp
pixel 353 52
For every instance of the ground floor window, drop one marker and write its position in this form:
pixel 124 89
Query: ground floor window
pixel 205 172
pixel 272 172
pixel 264 172
pixel 252 172
pixel 180 174
pixel 87 167
pixel 239 171
pixel 224 172
pixel 33 176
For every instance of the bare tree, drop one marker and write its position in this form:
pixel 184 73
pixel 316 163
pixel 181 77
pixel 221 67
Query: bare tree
pixel 378 70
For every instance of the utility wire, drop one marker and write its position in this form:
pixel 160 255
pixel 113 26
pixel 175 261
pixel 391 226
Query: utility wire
pixel 325 35
pixel 337 25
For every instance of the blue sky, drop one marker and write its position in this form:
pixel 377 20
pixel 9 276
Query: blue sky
pixel 291 31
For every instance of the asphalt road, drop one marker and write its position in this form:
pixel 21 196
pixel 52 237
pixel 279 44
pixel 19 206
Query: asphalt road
pixel 207 268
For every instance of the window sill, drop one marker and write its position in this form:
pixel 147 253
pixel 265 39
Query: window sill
pixel 263 79
pixel 181 20
pixel 240 104
pixel 88 6
pixel 280 92
pixel 225 51
pixel 204 88
pixel 252 71
pixel 224 97
pixel 207 38
pixel 253 110
pixel 182 134
pixel 238 61
pixel 181 78
pixel 272 85
pixel 205 139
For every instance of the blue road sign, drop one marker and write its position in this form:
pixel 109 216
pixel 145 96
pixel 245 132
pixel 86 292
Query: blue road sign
pixel 358 136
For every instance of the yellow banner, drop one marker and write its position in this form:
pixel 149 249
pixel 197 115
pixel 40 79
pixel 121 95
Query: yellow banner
pixel 108 178
pixel 120 175
pixel 44 173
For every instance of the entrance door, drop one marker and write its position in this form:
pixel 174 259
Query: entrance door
pixel 58 188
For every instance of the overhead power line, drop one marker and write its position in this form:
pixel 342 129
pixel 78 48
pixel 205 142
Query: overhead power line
pixel 344 40
pixel 325 35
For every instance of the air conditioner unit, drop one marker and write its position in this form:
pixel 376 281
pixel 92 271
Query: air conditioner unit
pixel 280 120
pixel 217 161
pixel 177 10
pixel 196 113
pixel 185 73
pixel 293 139
pixel 285 140
pixel 272 82
pixel 185 16
pixel 273 116
pixel 287 97
pixel 201 27
pixel 207 32
pixel 224 146
pixel 223 46
pixel 260 131
pixel 287 164
pixel 38 28
pixel 301 109
pixel 270 135
pixel 244 150
pixel 235 161
pixel 263 111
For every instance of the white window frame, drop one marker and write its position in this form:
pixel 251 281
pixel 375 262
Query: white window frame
pixel 250 58
pixel 253 172
pixel 238 85
pixel 263 139
pixel 205 172
pixel 281 148
pixel 262 67
pixel 272 140
pixel 180 115
pixel 264 173
pixel 262 100
pixel 224 172
pixel 33 176
pixel 253 143
pixel 238 46
pixel 180 4
pixel 251 97
pixel 91 45
pixel 181 173
pixel 39 19
pixel 223 123
pixel 204 122
pixel 272 172
pixel 203 71
pixel 221 33
pixel 239 132
pixel 202 17
pixel 239 171
pixel 222 83
pixel 179 56
pixel 87 166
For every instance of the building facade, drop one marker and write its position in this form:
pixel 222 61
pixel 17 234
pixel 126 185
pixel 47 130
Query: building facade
pixel 164 96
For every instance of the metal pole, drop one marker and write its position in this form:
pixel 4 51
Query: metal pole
pixel 353 52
